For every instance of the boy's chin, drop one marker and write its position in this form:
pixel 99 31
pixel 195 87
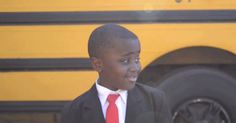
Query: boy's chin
pixel 130 86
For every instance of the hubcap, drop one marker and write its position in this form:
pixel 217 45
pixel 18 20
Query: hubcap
pixel 201 111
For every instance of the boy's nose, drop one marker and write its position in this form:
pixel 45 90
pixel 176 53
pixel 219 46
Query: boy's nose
pixel 134 67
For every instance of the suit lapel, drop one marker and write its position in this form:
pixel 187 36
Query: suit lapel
pixel 134 105
pixel 92 108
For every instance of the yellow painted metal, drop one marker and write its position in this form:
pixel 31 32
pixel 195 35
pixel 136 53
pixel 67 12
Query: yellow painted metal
pixel 64 41
pixel 44 86
pixel 70 41
pixel 111 5
pixel 44 41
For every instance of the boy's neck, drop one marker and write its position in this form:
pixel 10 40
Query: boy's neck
pixel 106 86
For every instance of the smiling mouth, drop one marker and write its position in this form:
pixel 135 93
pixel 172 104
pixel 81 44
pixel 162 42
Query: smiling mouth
pixel 132 78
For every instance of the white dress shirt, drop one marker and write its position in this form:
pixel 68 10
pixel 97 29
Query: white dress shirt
pixel 121 101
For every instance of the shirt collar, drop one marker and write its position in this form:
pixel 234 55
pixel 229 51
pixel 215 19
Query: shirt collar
pixel 103 93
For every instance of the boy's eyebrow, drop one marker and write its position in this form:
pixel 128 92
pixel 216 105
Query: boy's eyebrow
pixel 127 54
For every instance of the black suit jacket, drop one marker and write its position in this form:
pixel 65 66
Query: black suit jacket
pixel 144 105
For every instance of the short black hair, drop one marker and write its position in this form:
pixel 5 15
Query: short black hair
pixel 103 36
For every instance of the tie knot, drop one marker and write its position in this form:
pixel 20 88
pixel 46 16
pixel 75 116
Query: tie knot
pixel 112 98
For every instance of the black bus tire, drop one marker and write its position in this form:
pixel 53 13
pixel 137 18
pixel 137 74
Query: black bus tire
pixel 201 83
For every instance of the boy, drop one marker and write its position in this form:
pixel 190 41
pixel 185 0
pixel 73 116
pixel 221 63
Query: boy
pixel 115 97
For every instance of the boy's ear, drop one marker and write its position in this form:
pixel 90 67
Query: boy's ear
pixel 96 64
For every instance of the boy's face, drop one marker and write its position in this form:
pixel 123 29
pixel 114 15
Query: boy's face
pixel 120 65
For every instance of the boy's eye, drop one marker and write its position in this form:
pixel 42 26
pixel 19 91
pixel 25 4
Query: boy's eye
pixel 137 60
pixel 124 60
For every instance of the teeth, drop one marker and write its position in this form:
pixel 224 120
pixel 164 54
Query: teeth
pixel 133 79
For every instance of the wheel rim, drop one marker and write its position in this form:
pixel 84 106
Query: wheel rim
pixel 201 111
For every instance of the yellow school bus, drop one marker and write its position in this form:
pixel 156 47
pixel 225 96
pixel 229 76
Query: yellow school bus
pixel 188 50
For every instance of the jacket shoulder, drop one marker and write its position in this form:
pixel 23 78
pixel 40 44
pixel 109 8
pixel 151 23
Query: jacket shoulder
pixel 150 90
pixel 71 113
pixel 80 100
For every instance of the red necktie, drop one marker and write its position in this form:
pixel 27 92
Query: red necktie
pixel 112 115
